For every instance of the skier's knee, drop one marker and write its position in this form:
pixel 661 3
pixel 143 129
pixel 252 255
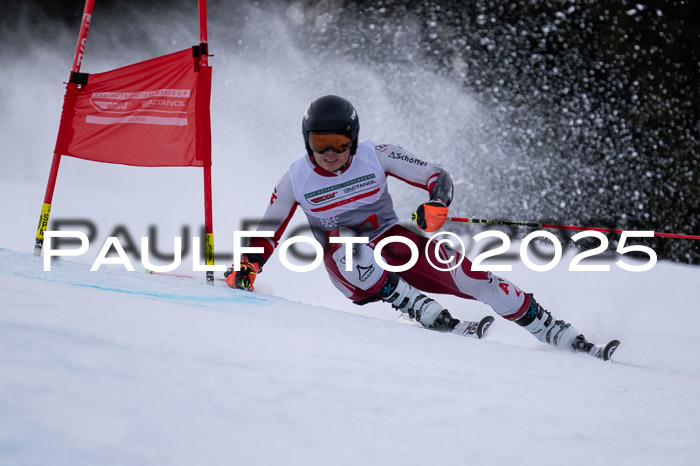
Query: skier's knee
pixel 364 274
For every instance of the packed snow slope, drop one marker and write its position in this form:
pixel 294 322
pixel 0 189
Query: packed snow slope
pixel 117 367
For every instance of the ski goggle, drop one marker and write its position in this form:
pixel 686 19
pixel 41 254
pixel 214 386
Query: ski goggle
pixel 335 142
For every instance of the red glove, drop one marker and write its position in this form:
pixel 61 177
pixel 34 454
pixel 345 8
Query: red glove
pixel 244 278
pixel 430 216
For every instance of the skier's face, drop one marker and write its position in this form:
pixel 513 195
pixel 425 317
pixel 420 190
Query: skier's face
pixel 332 161
pixel 331 151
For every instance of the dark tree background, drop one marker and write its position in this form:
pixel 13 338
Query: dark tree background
pixel 615 86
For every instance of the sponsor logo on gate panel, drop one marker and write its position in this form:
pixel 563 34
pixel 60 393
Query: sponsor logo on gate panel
pixel 162 107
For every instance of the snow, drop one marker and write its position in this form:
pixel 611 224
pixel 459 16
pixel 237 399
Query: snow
pixel 116 367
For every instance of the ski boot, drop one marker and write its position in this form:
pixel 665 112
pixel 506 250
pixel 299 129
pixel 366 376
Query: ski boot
pixel 405 298
pixel 542 325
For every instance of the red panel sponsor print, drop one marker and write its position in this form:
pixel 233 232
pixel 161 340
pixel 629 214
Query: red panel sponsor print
pixel 143 114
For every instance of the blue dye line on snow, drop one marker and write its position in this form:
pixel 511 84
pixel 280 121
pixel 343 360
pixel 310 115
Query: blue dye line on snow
pixel 169 296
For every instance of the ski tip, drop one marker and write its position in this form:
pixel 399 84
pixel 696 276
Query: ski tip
pixel 610 349
pixel 484 325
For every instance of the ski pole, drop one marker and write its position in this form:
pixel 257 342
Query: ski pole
pixel 557 227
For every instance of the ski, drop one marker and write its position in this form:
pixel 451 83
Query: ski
pixel 465 328
pixel 468 328
pixel 604 352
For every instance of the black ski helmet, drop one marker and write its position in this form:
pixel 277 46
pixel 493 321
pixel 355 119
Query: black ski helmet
pixel 330 114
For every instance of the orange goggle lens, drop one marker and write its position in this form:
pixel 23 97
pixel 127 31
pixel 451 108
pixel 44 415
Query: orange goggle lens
pixel 324 142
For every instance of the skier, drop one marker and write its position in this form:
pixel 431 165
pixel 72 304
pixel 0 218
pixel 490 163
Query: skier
pixel 341 183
